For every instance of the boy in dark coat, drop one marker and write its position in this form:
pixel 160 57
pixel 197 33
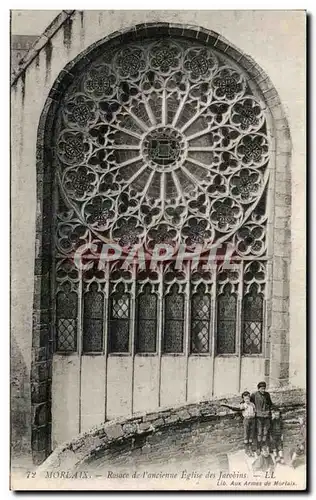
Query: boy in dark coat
pixel 262 401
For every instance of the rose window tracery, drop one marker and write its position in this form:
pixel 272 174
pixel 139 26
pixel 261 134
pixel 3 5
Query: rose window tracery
pixel 163 148
pixel 164 141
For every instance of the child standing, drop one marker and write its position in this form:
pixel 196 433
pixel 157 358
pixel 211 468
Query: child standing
pixel 248 410
pixel 276 433
pixel 262 401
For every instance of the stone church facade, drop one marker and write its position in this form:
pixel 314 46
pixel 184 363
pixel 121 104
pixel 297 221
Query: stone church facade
pixel 146 128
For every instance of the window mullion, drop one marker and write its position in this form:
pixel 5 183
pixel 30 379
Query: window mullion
pixel 239 320
pixel 160 327
pixel 132 325
pixel 106 330
pixel 265 341
pixel 213 324
pixel 80 340
pixel 132 318
pixel 106 309
pixel 187 324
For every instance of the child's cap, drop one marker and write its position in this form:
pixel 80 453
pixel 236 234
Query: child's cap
pixel 261 384
pixel 245 393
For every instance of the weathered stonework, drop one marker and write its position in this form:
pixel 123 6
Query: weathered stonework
pixel 41 43
pixel 195 429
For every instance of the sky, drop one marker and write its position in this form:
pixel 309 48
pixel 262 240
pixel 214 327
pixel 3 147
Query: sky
pixel 31 22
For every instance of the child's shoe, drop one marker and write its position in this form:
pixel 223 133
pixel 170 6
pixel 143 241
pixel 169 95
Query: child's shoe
pixel 249 451
pixel 281 458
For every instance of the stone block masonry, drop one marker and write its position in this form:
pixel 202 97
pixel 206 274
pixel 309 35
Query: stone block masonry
pixel 202 431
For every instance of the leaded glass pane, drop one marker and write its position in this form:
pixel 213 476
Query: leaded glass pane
pixel 119 335
pixel 93 321
pixel 226 322
pixel 147 304
pixel 199 336
pixel 174 321
pixel 92 335
pixel 147 321
pixel 66 321
pixel 201 306
pixel 146 335
pixel 173 338
pixel 120 307
pixel 67 304
pixel 66 334
pixel 252 322
pixel 200 322
pixel 119 321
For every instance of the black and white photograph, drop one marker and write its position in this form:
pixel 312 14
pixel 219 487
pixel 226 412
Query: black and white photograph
pixel 158 250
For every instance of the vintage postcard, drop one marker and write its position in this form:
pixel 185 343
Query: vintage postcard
pixel 158 250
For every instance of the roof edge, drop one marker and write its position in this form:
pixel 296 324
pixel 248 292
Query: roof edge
pixel 40 43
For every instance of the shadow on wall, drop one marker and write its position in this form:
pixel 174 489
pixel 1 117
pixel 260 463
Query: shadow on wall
pixel 20 400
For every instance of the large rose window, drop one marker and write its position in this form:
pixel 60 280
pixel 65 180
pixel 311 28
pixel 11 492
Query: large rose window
pixel 164 141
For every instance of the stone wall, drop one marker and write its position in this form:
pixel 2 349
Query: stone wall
pixel 194 432
pixel 20 403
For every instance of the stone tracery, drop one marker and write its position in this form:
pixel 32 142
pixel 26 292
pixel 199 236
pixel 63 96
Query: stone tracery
pixel 162 132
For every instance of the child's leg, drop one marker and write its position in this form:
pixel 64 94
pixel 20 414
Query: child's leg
pixel 246 434
pixel 265 430
pixel 279 446
pixel 273 447
pixel 293 458
pixel 271 441
pixel 252 435
pixel 259 432
pixel 281 457
pixel 276 456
